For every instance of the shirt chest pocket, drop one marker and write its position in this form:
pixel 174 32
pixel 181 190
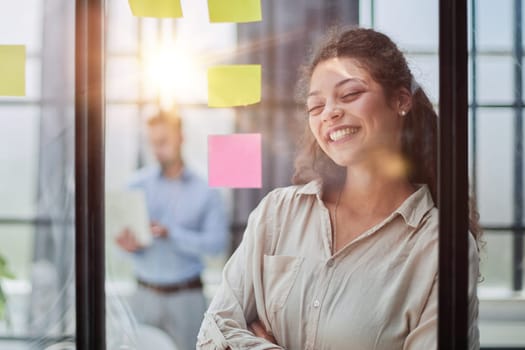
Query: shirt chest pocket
pixel 279 275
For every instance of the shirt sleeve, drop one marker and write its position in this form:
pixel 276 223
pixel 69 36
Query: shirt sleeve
pixel 212 236
pixel 424 335
pixel 240 299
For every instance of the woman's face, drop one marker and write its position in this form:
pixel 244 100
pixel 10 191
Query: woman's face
pixel 349 114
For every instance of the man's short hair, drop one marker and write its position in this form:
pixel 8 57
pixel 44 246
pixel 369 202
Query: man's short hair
pixel 170 118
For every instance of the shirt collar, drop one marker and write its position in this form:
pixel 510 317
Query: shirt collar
pixel 416 206
pixel 184 176
pixel 314 187
pixel 412 209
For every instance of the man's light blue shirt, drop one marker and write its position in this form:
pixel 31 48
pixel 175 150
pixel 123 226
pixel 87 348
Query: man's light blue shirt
pixel 196 221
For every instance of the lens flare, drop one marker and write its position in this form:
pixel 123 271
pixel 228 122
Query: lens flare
pixel 173 72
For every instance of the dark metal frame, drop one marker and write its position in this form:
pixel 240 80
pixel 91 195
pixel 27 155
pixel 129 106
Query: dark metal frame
pixel 453 176
pixel 89 175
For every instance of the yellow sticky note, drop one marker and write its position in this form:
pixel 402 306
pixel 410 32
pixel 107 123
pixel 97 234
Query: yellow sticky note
pixel 234 85
pixel 12 70
pixel 156 8
pixel 239 11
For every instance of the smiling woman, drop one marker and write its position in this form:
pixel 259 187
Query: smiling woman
pixel 357 63
pixel 348 257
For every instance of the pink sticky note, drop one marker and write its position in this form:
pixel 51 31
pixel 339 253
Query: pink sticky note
pixel 234 161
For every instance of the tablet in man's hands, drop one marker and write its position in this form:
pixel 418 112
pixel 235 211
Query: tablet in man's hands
pixel 127 209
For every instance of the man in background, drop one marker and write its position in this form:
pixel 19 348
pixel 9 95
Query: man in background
pixel 188 221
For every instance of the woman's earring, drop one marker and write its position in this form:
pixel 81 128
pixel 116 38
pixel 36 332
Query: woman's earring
pixel 403 113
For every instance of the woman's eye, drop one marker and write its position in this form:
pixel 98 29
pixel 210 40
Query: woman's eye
pixel 315 110
pixel 351 94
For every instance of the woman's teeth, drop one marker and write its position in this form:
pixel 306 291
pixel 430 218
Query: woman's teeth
pixel 337 135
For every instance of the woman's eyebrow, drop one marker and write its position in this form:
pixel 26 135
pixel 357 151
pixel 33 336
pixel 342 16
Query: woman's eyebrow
pixel 342 82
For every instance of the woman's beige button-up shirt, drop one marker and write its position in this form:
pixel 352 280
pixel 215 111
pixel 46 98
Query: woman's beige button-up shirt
pixel 377 293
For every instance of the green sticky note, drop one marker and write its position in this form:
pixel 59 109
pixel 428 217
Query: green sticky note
pixel 234 85
pixel 239 11
pixel 156 8
pixel 12 70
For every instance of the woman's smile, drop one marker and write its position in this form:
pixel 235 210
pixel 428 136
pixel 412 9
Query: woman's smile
pixel 341 134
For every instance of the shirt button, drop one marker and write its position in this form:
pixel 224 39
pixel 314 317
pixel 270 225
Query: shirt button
pixel 317 304
pixel 330 263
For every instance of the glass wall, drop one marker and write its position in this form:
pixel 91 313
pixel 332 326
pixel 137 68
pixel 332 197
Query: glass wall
pixel 154 64
pixel 36 180
pixel 157 65
pixel 495 154
pixel 495 135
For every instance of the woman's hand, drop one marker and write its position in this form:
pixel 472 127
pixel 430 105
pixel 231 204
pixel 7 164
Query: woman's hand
pixel 257 328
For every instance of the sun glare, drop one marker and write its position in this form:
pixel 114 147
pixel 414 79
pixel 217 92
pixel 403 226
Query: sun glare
pixel 174 73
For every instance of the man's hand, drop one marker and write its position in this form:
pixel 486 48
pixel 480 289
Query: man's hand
pixel 158 230
pixel 126 240
pixel 257 328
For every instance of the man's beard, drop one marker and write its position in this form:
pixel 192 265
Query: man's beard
pixel 169 163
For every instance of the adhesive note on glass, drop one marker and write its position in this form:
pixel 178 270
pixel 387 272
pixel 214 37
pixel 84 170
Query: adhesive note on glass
pixel 12 70
pixel 240 11
pixel 234 161
pixel 156 8
pixel 234 85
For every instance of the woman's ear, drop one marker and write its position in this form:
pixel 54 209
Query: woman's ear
pixel 403 101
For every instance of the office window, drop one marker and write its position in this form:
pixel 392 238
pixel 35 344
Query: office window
pixel 36 190
pixel 494 138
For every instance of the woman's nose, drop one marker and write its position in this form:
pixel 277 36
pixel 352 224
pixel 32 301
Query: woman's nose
pixel 332 113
